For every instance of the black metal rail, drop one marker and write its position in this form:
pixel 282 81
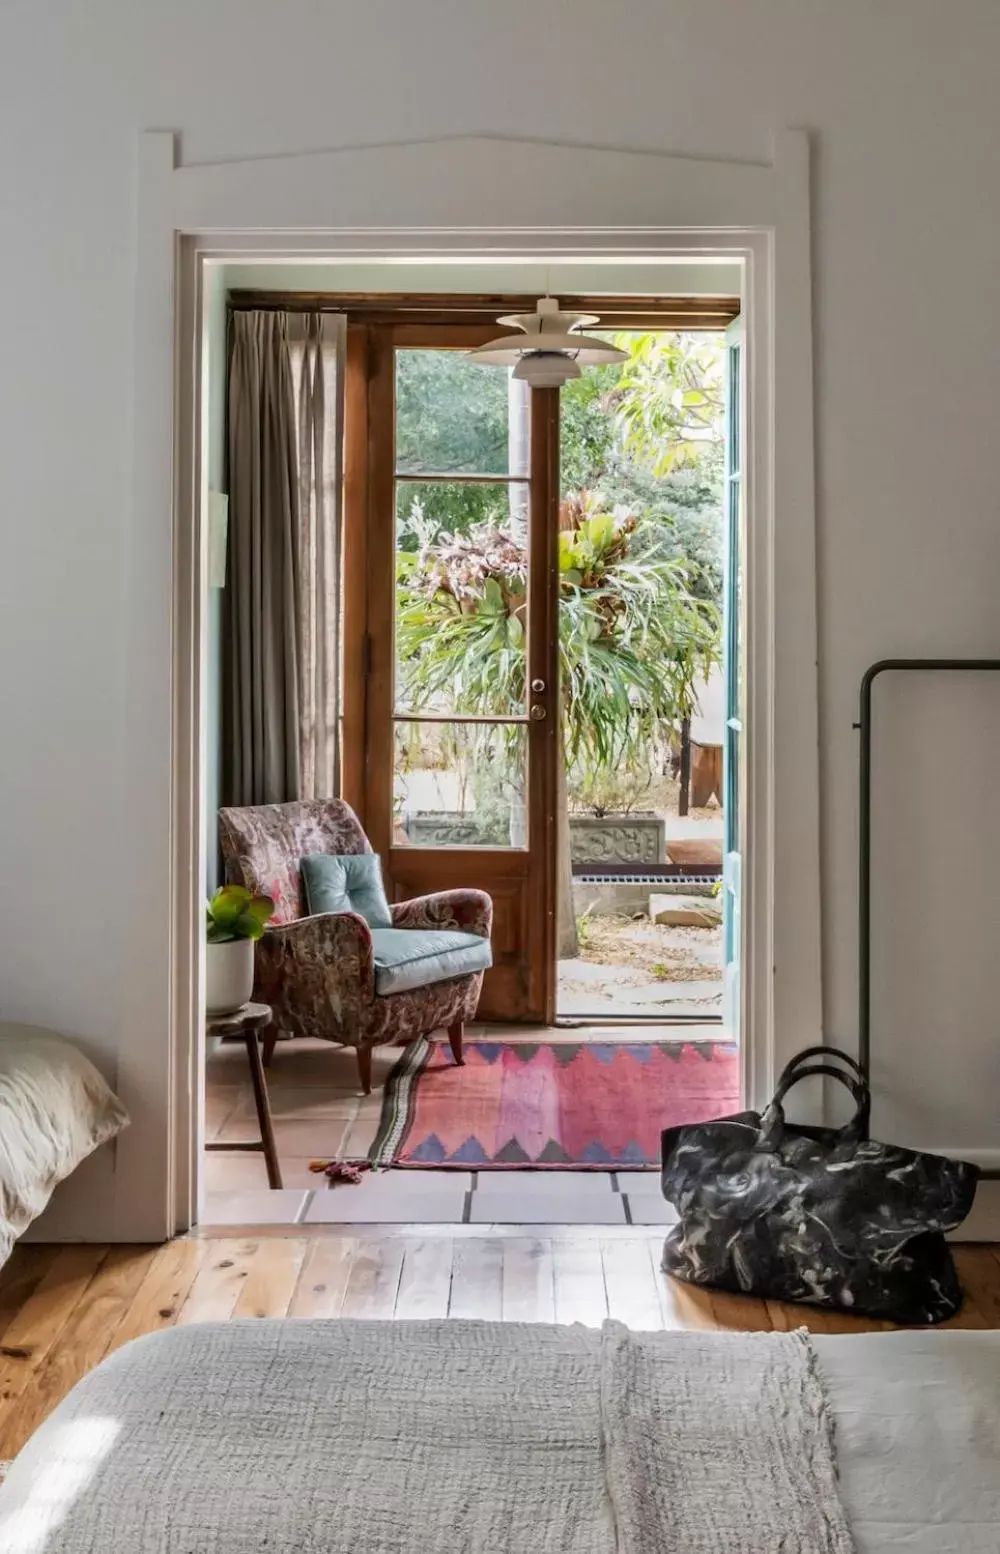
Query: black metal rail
pixel 883 666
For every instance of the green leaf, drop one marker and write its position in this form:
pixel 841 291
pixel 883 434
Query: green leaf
pixel 228 904
pixel 235 913
pixel 248 926
pixel 600 530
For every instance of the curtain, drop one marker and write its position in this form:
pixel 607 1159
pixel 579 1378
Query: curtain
pixel 282 601
pixel 317 342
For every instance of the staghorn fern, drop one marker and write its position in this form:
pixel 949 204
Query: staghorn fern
pixel 634 634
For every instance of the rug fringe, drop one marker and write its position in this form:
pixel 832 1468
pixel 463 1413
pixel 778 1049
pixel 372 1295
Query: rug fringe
pixel 340 1170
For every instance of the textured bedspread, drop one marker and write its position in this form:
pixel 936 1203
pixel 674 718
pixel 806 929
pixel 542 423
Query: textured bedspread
pixel 357 1437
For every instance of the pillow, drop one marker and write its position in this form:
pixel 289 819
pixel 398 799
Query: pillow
pixel 56 1110
pixel 350 882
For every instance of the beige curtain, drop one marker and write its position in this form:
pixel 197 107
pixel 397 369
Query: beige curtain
pixel 282 605
pixel 316 349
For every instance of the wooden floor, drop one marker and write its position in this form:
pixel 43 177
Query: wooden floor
pixel 62 1309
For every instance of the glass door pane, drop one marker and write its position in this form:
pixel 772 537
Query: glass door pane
pixel 733 663
pixel 641 520
pixel 461 502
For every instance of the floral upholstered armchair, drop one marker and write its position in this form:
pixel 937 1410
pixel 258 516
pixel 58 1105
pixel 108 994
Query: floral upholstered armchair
pixel 333 976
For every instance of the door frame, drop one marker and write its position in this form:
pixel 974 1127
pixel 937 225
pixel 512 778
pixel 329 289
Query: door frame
pixel 454 199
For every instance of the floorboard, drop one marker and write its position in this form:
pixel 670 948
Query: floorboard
pixel 218 1283
pixel 373 1281
pixel 63 1308
pixel 579 1283
pixel 271 1279
pixel 425 1281
pixel 323 1282
pixel 477 1280
pixel 527 1288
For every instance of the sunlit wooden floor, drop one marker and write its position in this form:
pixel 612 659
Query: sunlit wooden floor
pixel 62 1309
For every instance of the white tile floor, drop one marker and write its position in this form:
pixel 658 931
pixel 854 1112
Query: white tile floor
pixel 319 1113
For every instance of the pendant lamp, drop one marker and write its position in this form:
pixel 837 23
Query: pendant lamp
pixel 553 351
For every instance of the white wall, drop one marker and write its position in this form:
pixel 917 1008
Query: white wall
pixel 674 278
pixel 901 97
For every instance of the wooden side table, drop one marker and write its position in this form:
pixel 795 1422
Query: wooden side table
pixel 248 1023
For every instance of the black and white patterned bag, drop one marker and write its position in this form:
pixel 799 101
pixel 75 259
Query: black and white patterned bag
pixel 822 1215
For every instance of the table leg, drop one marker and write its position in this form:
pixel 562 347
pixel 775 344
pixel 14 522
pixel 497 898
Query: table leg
pixel 263 1110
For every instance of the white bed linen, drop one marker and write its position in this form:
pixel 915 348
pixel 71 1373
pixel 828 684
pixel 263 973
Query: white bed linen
pixel 55 1110
pixel 917 1439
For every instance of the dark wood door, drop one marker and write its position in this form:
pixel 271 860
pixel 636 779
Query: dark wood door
pixel 451 661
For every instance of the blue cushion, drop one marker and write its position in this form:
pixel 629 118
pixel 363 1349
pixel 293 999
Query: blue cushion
pixel 417 957
pixel 350 882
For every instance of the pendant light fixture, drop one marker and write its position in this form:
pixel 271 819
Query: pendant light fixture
pixel 553 351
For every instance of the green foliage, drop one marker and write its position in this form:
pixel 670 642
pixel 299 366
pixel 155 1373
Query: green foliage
pixel 616 792
pixel 588 431
pixel 639 552
pixel 451 414
pixel 684 509
pixel 236 913
pixel 633 638
pixel 633 635
pixel 669 398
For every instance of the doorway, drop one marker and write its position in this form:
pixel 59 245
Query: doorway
pixel 454 752
pixel 546 643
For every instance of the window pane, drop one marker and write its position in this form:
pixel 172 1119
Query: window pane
pixel 461 601
pixel 456 416
pixel 460 785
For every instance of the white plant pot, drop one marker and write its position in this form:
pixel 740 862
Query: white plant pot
pixel 228 976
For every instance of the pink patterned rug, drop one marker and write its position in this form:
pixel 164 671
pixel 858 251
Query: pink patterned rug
pixel 585 1105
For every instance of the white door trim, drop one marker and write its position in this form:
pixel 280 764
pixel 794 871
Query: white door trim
pixel 472 198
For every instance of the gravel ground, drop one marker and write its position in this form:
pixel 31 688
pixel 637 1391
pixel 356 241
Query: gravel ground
pixel 651 951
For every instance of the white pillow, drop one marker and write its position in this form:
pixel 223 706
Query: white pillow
pixel 55 1109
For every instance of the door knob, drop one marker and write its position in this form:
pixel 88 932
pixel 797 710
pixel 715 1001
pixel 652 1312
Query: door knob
pixel 538 686
pixel 538 712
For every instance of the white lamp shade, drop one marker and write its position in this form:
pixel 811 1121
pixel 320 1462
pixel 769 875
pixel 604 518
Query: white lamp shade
pixel 546 369
pixel 548 332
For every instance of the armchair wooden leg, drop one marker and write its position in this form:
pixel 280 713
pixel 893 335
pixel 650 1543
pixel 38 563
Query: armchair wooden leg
pixel 365 1069
pixel 455 1034
pixel 269 1041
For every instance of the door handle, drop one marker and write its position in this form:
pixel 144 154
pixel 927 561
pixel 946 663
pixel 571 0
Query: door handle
pixel 538 712
pixel 538 686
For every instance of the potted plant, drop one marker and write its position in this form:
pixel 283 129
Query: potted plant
pixel 235 919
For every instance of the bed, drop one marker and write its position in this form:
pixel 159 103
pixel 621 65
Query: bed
pixel 55 1110
pixel 326 1437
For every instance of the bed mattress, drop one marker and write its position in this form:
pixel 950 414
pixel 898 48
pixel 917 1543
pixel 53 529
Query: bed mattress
pixel 915 1420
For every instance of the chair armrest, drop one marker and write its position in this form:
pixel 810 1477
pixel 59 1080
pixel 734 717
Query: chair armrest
pixel 469 911
pixel 330 947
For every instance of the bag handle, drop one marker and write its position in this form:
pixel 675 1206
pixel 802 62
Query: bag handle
pixel 828 1054
pixel 772 1123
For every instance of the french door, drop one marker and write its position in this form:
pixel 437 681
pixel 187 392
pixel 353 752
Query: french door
pixel 733 763
pixel 451 715
pixel 450 736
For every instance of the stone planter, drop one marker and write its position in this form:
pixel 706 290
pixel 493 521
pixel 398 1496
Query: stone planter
pixel 633 838
pixel 432 828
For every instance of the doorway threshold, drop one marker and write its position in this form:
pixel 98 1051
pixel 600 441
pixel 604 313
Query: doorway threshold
pixel 479 1198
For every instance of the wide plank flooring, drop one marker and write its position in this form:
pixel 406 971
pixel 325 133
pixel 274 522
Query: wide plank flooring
pixel 62 1309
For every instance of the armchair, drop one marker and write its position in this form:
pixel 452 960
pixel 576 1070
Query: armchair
pixel 333 976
